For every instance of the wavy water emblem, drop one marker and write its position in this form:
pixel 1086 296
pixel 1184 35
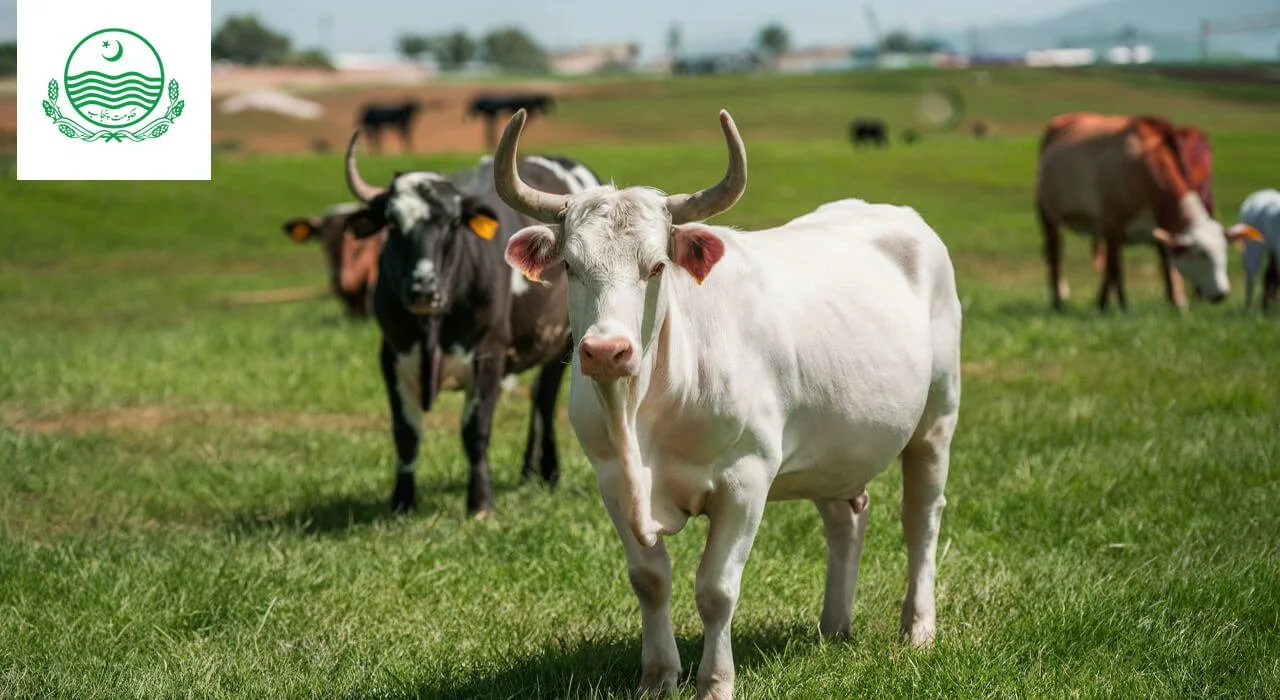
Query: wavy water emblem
pixel 114 92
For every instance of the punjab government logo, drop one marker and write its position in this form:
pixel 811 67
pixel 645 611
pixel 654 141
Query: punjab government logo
pixel 114 81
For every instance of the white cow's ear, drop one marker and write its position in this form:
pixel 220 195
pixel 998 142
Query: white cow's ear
pixel 533 249
pixel 696 249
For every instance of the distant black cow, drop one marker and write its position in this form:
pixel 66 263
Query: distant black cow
pixel 495 105
pixel 862 130
pixel 980 130
pixel 445 292
pixel 492 107
pixel 374 117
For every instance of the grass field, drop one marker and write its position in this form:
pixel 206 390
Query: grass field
pixel 193 494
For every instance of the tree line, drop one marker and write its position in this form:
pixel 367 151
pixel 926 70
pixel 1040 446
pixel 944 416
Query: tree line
pixel 245 40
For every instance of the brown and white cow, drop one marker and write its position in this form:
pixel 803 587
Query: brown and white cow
pixel 352 261
pixel 1197 157
pixel 1100 173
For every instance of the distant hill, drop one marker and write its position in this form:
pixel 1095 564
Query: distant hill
pixel 1171 27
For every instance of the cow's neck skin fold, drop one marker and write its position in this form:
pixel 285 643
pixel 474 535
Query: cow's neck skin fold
pixel 665 363
pixel 619 399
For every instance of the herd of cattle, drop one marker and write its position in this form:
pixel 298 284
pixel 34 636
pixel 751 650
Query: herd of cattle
pixel 713 370
pixel 400 116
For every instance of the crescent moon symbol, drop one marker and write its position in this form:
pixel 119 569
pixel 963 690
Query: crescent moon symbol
pixel 119 52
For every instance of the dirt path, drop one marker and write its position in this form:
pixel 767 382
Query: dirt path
pixel 442 127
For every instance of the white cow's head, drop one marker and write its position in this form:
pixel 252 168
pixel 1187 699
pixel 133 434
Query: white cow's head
pixel 615 245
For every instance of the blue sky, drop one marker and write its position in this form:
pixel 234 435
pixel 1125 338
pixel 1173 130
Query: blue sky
pixel 372 25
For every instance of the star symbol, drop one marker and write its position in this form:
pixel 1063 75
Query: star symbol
pixel 106 44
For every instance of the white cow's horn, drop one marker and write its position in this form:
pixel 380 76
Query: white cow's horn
pixel 515 192
pixel 705 204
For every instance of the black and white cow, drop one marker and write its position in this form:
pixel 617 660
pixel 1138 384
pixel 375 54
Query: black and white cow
pixel 445 293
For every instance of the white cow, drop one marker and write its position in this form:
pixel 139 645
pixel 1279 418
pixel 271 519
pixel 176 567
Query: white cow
pixel 1258 228
pixel 790 363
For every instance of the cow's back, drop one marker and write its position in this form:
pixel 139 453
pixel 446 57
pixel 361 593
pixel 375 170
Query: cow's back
pixel 1197 158
pixel 850 293
pixel 1091 171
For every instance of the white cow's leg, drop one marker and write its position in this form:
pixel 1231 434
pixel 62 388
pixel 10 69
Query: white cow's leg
pixel 844 523
pixel 734 510
pixel 924 479
pixel 649 569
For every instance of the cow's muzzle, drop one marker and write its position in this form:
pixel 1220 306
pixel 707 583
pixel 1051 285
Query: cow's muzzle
pixel 426 304
pixel 600 357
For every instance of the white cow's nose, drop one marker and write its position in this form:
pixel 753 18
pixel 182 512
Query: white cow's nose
pixel 606 357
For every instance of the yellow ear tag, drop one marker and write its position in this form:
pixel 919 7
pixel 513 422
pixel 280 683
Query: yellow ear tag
pixel 1252 234
pixel 483 226
pixel 300 232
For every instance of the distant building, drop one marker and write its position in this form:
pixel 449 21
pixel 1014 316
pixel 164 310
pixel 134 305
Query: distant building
pixel 596 58
pixel 893 60
pixel 1130 54
pixel 815 59
pixel 1061 57
pixel 383 65
pixel 718 63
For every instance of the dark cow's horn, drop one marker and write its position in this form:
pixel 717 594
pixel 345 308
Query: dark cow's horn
pixel 705 204
pixel 518 195
pixel 361 189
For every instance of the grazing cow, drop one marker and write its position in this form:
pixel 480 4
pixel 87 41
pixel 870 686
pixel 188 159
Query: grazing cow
pixel 716 370
pixel 352 262
pixel 374 117
pixel 443 286
pixel 1197 157
pixel 868 130
pixel 1258 226
pixel 1098 173
pixel 489 105
pixel 980 130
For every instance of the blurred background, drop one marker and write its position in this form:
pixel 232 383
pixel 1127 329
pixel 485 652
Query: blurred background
pixel 291 75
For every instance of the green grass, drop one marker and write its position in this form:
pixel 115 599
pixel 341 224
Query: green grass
pixel 193 494
pixel 1014 102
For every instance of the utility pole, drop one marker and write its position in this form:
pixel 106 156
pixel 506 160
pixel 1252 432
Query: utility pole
pixel 326 23
pixel 1204 41
pixel 874 26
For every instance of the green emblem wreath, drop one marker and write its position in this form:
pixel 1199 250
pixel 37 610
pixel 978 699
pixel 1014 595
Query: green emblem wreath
pixel 153 129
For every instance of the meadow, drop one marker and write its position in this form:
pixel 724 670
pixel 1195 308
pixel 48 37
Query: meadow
pixel 193 492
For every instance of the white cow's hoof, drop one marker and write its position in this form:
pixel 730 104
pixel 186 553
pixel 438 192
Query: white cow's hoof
pixel 716 690
pixel 658 684
pixel 919 636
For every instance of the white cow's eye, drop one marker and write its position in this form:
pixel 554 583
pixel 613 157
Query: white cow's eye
pixel 655 271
